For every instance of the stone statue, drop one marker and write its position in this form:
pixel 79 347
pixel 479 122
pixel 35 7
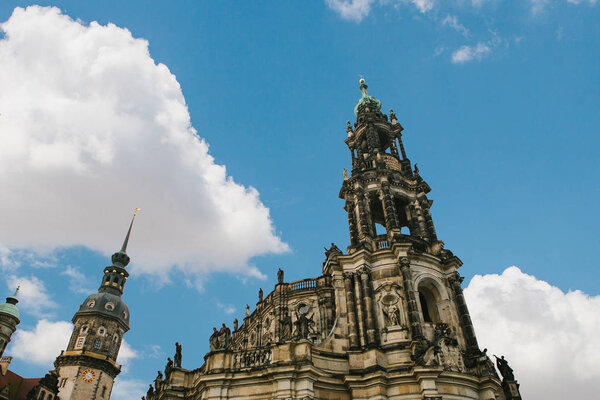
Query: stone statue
pixel 286 326
pixel 505 370
pixel 280 276
pixel 247 310
pixel 235 325
pixel 214 340
pixel 224 336
pixel 303 325
pixel 348 126
pixel 150 391
pixel 331 250
pixel 260 295
pixel 416 170
pixel 392 115
pixel 158 381
pixel 345 174
pixel 177 355
pixel 392 315
pixel 168 367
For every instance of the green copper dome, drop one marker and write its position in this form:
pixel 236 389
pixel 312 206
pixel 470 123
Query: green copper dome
pixel 366 100
pixel 10 307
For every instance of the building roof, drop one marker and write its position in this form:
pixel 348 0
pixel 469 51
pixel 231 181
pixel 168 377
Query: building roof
pixel 18 387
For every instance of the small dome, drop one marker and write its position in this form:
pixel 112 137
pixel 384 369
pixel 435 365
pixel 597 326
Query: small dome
pixel 108 304
pixel 9 309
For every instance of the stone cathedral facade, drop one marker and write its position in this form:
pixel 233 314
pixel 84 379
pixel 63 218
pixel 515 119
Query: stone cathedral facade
pixel 386 319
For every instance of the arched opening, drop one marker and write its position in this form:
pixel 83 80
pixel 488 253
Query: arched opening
pixel 400 206
pixel 429 298
pixel 377 216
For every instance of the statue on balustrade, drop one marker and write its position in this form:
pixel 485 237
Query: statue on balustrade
pixel 177 355
pixel 168 367
pixel 214 340
pixel 224 337
pixel 286 326
pixel 303 325
pixel 159 380
pixel 280 276
pixel 505 370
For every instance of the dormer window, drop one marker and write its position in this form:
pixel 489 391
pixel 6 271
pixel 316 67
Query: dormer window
pixel 84 330
pixel 101 331
pixel 91 304
pixel 109 306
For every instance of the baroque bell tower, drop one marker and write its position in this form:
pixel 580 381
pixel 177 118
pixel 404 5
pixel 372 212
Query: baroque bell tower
pixel 88 367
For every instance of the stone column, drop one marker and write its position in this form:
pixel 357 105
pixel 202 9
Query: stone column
pixel 420 219
pixel 350 209
pixel 413 311
pixel 389 210
pixel 360 312
pixel 368 302
pixel 402 151
pixel 429 223
pixel 394 150
pixel 363 217
pixel 351 313
pixel 463 313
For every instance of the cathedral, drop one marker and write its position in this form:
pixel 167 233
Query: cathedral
pixel 86 370
pixel 387 319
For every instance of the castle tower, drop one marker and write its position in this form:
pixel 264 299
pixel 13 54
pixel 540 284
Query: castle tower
pixel 9 319
pixel 88 367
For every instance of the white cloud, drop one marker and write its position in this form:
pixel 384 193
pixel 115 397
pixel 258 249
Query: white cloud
pixel 549 337
pixel 226 308
pixel 127 389
pixel 468 53
pixel 43 344
pixel 423 5
pixel 96 128
pixel 451 21
pixel 33 295
pixel 354 10
pixel 78 282
pixel 538 6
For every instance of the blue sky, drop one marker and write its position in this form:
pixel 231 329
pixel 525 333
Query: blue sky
pixel 500 105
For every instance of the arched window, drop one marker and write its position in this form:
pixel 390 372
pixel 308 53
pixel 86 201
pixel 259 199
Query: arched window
pixel 42 395
pixel 429 298
pixel 377 216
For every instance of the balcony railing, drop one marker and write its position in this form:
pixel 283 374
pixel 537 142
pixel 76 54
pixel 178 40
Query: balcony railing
pixel 256 358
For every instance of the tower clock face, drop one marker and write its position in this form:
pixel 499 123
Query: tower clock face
pixel 88 375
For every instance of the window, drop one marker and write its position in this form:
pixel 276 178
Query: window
pixel 103 391
pixel 49 397
pixel 79 343
pixel 102 331
pixel 63 382
pixel 84 330
pixel 425 308
pixel 42 395
pixel 97 344
pixel 109 306
pixel 429 298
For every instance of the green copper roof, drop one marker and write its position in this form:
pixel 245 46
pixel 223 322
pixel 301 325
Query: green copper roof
pixel 366 100
pixel 10 307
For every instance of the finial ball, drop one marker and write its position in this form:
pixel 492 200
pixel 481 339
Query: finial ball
pixel 362 81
